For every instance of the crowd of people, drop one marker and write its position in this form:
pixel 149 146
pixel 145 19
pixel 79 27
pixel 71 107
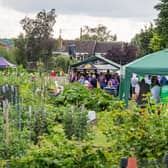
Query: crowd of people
pixel 156 86
pixel 97 80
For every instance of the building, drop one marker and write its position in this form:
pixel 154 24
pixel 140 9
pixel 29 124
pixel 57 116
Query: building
pixel 119 52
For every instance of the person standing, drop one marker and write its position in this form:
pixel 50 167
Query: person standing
pixel 94 81
pixel 134 82
pixel 155 89
pixel 141 89
pixel 53 74
pixel 164 93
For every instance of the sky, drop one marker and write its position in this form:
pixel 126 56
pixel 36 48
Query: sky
pixel 122 17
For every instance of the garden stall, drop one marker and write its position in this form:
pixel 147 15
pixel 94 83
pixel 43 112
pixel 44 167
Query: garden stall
pixel 101 62
pixel 151 64
pixel 95 63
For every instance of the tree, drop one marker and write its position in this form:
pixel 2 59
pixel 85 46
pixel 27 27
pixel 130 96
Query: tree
pixel 20 51
pixel 142 40
pixel 99 33
pixel 38 33
pixel 122 54
pixel 156 42
pixel 63 62
pixel 161 21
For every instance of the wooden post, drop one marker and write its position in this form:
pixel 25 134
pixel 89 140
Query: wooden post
pixel 6 115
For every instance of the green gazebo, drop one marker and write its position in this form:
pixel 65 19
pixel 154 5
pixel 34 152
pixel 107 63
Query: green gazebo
pixel 151 64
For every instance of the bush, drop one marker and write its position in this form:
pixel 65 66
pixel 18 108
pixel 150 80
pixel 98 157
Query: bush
pixel 55 151
pixel 135 134
pixel 63 62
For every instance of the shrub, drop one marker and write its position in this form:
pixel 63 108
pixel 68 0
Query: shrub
pixel 135 134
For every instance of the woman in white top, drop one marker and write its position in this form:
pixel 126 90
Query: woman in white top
pixel 155 89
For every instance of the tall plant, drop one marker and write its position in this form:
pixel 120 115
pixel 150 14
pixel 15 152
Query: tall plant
pixel 75 122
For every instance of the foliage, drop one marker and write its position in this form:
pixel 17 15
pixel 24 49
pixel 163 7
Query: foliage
pixel 99 33
pixel 142 41
pixel 77 94
pixel 20 51
pixel 161 21
pixel 75 122
pixel 25 126
pixel 8 54
pixel 56 151
pixel 62 62
pixel 139 133
pixel 156 42
pixel 122 54
pixel 151 38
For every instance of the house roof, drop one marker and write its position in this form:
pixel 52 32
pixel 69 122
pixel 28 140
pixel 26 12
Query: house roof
pixel 103 47
pixel 90 46
pixel 84 46
pixel 96 58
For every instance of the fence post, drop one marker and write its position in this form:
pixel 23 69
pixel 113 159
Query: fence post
pixel 6 115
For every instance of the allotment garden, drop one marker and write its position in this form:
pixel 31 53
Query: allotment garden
pixel 39 129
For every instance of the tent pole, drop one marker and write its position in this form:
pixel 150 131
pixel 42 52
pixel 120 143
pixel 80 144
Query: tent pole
pixel 127 86
pixel 121 83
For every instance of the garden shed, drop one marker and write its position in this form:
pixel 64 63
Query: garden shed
pixel 151 64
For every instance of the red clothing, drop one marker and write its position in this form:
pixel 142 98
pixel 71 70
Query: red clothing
pixel 53 74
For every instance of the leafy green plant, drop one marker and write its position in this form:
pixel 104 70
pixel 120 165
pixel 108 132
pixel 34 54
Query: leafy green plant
pixel 142 135
pixel 56 151
pixel 75 122
pixel 77 94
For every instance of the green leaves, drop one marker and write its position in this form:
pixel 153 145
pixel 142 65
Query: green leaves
pixel 136 134
pixel 77 94
pixel 75 122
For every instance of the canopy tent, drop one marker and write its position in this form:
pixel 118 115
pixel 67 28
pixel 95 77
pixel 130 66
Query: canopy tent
pixel 4 63
pixel 94 59
pixel 151 64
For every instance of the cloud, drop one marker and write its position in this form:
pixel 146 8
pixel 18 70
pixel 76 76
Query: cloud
pixel 139 9
pixel 10 23
pixel 123 27
pixel 124 19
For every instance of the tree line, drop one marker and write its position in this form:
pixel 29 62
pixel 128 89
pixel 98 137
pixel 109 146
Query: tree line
pixel 154 37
